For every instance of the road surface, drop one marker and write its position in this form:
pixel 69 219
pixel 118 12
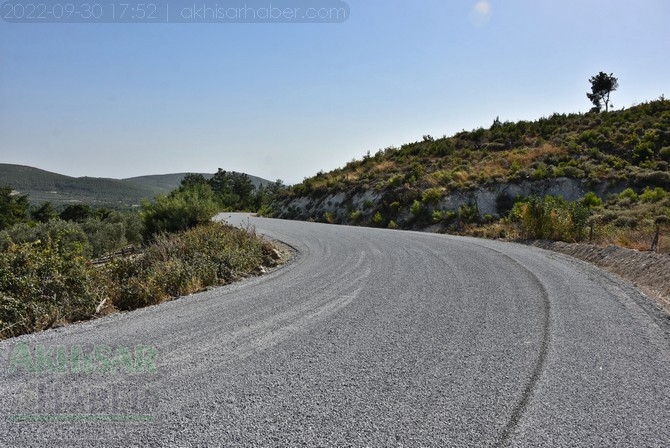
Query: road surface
pixel 370 337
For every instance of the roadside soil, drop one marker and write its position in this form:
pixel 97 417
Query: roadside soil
pixel 648 271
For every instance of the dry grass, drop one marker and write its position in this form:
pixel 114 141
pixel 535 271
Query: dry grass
pixel 384 167
pixel 527 156
pixel 184 263
pixel 639 239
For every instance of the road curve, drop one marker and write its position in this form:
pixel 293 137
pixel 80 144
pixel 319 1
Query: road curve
pixel 369 337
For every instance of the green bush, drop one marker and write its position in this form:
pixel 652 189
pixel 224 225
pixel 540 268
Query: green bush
pixel 103 236
pixel 654 195
pixel 416 209
pixel 45 282
pixel 396 180
pixel 378 220
pixel 50 281
pixel 67 235
pixel 95 237
pixel 444 216
pixel 630 222
pixel 356 216
pixel 431 196
pixel 664 153
pixel 182 209
pixel 539 173
pixel 329 217
pixel 551 217
pixel 468 213
pixel 590 200
pixel 628 193
pixel 77 213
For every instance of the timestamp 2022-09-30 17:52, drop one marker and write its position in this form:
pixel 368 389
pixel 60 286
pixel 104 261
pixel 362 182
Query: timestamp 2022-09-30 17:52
pixel 83 12
pixel 167 11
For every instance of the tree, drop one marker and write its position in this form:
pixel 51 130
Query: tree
pixel 602 85
pixel 44 213
pixel 13 208
pixel 192 179
pixel 76 213
pixel 235 191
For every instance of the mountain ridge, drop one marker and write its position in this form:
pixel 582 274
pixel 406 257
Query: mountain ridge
pixel 41 186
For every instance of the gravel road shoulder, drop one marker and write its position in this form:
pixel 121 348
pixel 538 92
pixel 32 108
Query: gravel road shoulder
pixel 648 271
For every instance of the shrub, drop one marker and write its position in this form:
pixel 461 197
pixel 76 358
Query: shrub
pixel 185 262
pixel 396 180
pixel 443 216
pixel 551 217
pixel 355 216
pixel 654 195
pixel 50 280
pixel 591 200
pixel 643 151
pixel 431 196
pixel 468 213
pixel 653 179
pixel 664 153
pixel 628 193
pixel 76 213
pixel 45 282
pixel 626 221
pixel 416 209
pixel 66 235
pixel 180 210
pixel 539 173
pixel 378 219
pixel 103 236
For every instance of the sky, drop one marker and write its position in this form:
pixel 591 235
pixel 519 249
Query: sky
pixel 284 99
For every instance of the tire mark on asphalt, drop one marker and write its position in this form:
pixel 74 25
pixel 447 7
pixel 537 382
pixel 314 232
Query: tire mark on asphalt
pixel 521 407
pixel 271 329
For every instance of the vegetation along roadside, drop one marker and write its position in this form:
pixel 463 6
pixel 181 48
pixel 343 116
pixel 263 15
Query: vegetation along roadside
pixel 48 279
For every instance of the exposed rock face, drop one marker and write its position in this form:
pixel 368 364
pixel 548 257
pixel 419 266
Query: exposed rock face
pixel 490 199
pixel 487 199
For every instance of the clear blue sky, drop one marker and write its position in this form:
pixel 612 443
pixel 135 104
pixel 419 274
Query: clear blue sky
pixel 285 100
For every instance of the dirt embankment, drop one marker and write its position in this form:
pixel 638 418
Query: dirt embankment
pixel 649 271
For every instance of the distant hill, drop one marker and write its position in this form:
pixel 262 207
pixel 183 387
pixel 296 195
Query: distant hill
pixel 41 186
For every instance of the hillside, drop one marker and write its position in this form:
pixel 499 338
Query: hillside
pixel 475 177
pixel 41 186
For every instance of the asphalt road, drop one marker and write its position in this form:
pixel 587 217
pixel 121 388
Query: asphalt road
pixel 368 338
